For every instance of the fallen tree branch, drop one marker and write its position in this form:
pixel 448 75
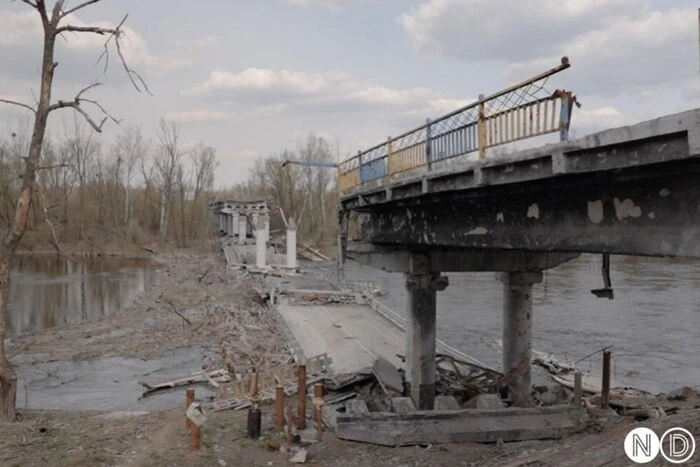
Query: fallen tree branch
pixel 174 308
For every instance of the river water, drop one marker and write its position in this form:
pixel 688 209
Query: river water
pixel 48 291
pixel 653 322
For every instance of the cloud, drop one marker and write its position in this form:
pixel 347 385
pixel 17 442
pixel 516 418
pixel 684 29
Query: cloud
pixel 199 115
pixel 332 4
pixel 21 39
pixel 332 92
pixel 614 45
pixel 208 41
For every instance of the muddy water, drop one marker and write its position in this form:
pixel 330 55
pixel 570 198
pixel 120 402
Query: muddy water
pixel 48 291
pixel 653 321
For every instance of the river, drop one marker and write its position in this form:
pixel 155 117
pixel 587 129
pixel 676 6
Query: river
pixel 653 322
pixel 48 291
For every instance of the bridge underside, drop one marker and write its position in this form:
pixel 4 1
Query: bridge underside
pixel 633 190
pixel 652 210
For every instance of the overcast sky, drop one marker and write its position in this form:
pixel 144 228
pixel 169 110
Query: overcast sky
pixel 251 77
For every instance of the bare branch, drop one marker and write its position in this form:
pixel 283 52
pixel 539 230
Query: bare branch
pixel 75 104
pixel 6 101
pixel 78 7
pixel 30 3
pixel 116 34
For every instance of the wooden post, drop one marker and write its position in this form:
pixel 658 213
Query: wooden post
pixel 195 431
pixel 577 388
pixel 279 407
pixel 605 395
pixel 301 414
pixel 318 410
pixel 189 399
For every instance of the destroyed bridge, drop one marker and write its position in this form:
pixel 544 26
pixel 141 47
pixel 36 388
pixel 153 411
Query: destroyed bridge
pixel 436 200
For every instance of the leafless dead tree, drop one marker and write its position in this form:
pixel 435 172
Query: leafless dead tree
pixel 55 24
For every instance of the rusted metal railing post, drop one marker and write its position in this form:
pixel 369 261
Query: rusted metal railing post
pixel 481 127
pixel 605 394
pixel 254 427
pixel 318 410
pixel 301 414
pixel 428 143
pixel 577 388
pixel 279 407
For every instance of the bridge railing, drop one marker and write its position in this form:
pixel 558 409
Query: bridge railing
pixel 522 111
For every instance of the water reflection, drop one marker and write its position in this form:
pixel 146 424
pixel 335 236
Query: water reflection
pixel 48 291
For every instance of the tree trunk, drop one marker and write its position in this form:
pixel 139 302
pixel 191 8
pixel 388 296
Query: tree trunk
pixel 8 377
pixel 15 232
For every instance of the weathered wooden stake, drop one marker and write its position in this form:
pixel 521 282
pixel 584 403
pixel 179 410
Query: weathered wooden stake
pixel 195 431
pixel 605 395
pixel 189 399
pixel 318 410
pixel 577 388
pixel 279 407
pixel 301 414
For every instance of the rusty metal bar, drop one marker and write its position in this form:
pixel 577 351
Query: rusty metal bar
pixel 279 407
pixel 605 394
pixel 301 408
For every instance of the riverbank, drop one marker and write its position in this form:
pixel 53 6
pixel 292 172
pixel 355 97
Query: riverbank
pixel 196 303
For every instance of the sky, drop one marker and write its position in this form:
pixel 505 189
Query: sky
pixel 251 78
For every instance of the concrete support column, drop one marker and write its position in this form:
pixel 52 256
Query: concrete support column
pixel 421 332
pixel 260 245
pixel 291 244
pixel 266 220
pixel 242 228
pixel 517 332
pixel 254 221
pixel 235 223
pixel 222 221
pixel 229 224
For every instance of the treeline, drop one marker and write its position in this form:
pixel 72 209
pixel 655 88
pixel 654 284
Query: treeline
pixel 307 194
pixel 134 190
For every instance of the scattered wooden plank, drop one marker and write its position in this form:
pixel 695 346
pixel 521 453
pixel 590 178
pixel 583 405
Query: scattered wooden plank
pixel 481 426
pixel 220 375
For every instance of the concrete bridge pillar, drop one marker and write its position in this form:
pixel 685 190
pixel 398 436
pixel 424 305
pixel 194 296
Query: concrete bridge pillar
pixel 266 219
pixel 517 332
pixel 254 223
pixel 260 244
pixel 234 223
pixel 291 244
pixel 421 332
pixel 222 221
pixel 242 228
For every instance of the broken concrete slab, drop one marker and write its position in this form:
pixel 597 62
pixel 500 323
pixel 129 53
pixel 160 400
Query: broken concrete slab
pixel 402 405
pixel 485 401
pixel 471 425
pixel 446 403
pixel 356 407
pixel 388 376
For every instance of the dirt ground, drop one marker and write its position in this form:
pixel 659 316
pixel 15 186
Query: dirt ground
pixel 195 301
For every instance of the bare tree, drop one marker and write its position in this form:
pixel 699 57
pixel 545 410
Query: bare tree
pixel 130 149
pixel 54 25
pixel 167 161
